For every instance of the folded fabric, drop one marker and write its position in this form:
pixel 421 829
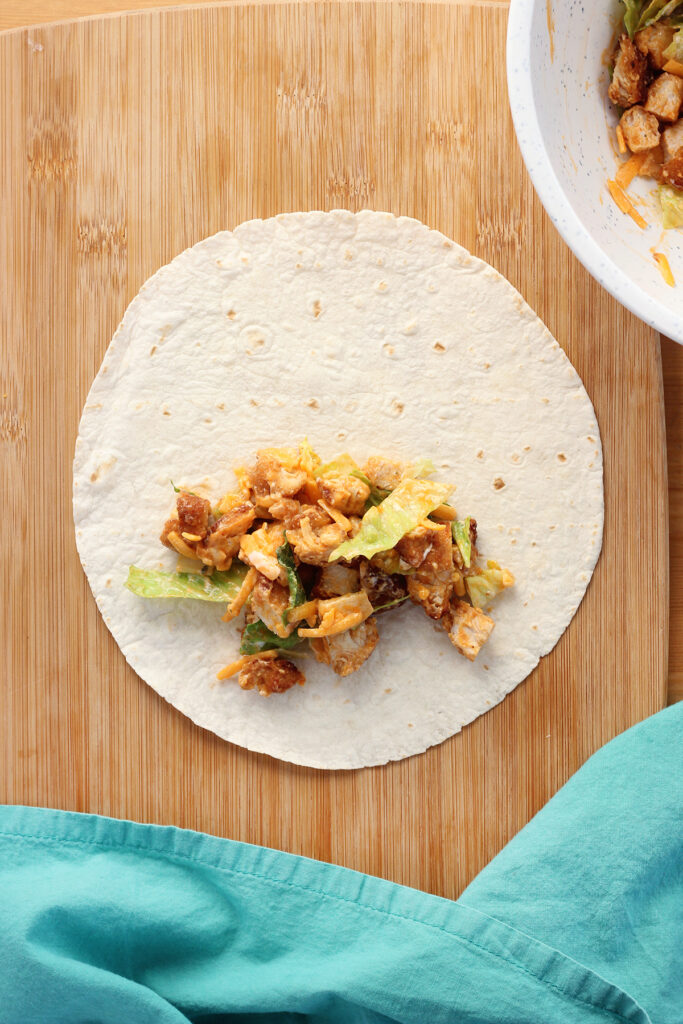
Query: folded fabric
pixel 577 920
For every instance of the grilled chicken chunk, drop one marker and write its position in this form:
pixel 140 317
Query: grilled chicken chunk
pixel 193 515
pixel 270 675
pixel 269 601
pixel 653 41
pixel 468 628
pixel 347 651
pixel 314 541
pixel 672 140
pixel 664 97
pixel 385 474
pixel 335 580
pixel 346 493
pixel 629 81
pixel 641 129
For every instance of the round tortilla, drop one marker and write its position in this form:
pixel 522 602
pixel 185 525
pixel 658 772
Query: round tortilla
pixel 364 333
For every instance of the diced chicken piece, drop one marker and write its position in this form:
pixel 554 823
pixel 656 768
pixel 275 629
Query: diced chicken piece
pixel 271 479
pixel 218 549
pixel 193 515
pixel 347 651
pixel 430 550
pixel 270 600
pixel 629 81
pixel 653 41
pixel 383 473
pixel 170 526
pixel 236 520
pixel 641 130
pixel 285 509
pixel 468 628
pixel 335 580
pixel 348 494
pixel 259 549
pixel 664 97
pixel 672 172
pixel 416 547
pixel 389 562
pixel 381 587
pixel 651 166
pixel 313 541
pixel 672 140
pixel 270 675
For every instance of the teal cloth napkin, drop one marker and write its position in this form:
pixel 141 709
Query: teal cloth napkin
pixel 577 920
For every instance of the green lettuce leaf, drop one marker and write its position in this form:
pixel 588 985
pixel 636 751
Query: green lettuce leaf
pixel 256 638
pixel 341 466
pixel 297 594
pixel 461 536
pixel 632 15
pixel 483 587
pixel 422 468
pixel 674 50
pixel 671 200
pixel 221 586
pixel 383 525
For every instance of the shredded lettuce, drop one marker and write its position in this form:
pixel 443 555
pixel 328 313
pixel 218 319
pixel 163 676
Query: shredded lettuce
pixel 256 638
pixel 383 525
pixel 343 465
pixel 297 594
pixel 671 200
pixel 421 468
pixel 220 586
pixel 483 587
pixel 674 50
pixel 390 604
pixel 461 536
pixel 641 13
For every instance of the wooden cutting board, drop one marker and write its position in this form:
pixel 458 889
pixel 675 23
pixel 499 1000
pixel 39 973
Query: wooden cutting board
pixel 126 139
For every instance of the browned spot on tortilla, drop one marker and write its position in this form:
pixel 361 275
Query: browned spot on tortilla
pixel 515 458
pixel 591 439
pixel 486 668
pixel 388 690
pixel 480 454
pixel 438 347
pixel 231 314
pixel 527 447
pixel 313 403
pixel 221 406
pixel 561 457
pixel 410 725
pixel 152 350
pixel 398 407
pixel 317 308
pixel 108 582
pixel 252 401
pixel 166 412
pixel 498 483
pixel 487 366
pixel 545 401
pixel 389 349
pixel 348 255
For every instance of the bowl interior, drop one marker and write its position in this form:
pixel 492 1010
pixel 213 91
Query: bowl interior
pixel 558 79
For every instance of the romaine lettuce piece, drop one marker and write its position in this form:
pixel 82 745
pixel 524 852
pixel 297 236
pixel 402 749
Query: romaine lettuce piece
pixel 674 50
pixel 483 587
pixel 461 536
pixel 220 586
pixel 383 525
pixel 671 200
pixel 632 15
pixel 297 594
pixel 377 495
pixel 256 638
pixel 343 465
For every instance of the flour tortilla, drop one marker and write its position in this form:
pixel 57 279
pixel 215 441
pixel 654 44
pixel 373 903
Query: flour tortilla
pixel 364 333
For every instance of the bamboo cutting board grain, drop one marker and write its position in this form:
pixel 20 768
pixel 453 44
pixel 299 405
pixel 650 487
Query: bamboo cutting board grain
pixel 126 139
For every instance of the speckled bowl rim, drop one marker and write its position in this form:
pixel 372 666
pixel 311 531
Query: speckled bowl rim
pixel 522 103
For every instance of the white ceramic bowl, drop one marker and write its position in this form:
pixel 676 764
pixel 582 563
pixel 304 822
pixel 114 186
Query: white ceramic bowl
pixel 557 81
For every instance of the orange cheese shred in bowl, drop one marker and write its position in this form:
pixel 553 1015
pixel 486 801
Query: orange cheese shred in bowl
pixel 624 203
pixel 664 268
pixel 628 170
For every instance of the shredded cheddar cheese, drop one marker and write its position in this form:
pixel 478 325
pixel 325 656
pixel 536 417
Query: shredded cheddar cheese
pixel 664 268
pixel 181 547
pixel 238 602
pixel 308 611
pixel 236 666
pixel 628 171
pixel 621 141
pixel 674 67
pixel 624 203
pixel 339 517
